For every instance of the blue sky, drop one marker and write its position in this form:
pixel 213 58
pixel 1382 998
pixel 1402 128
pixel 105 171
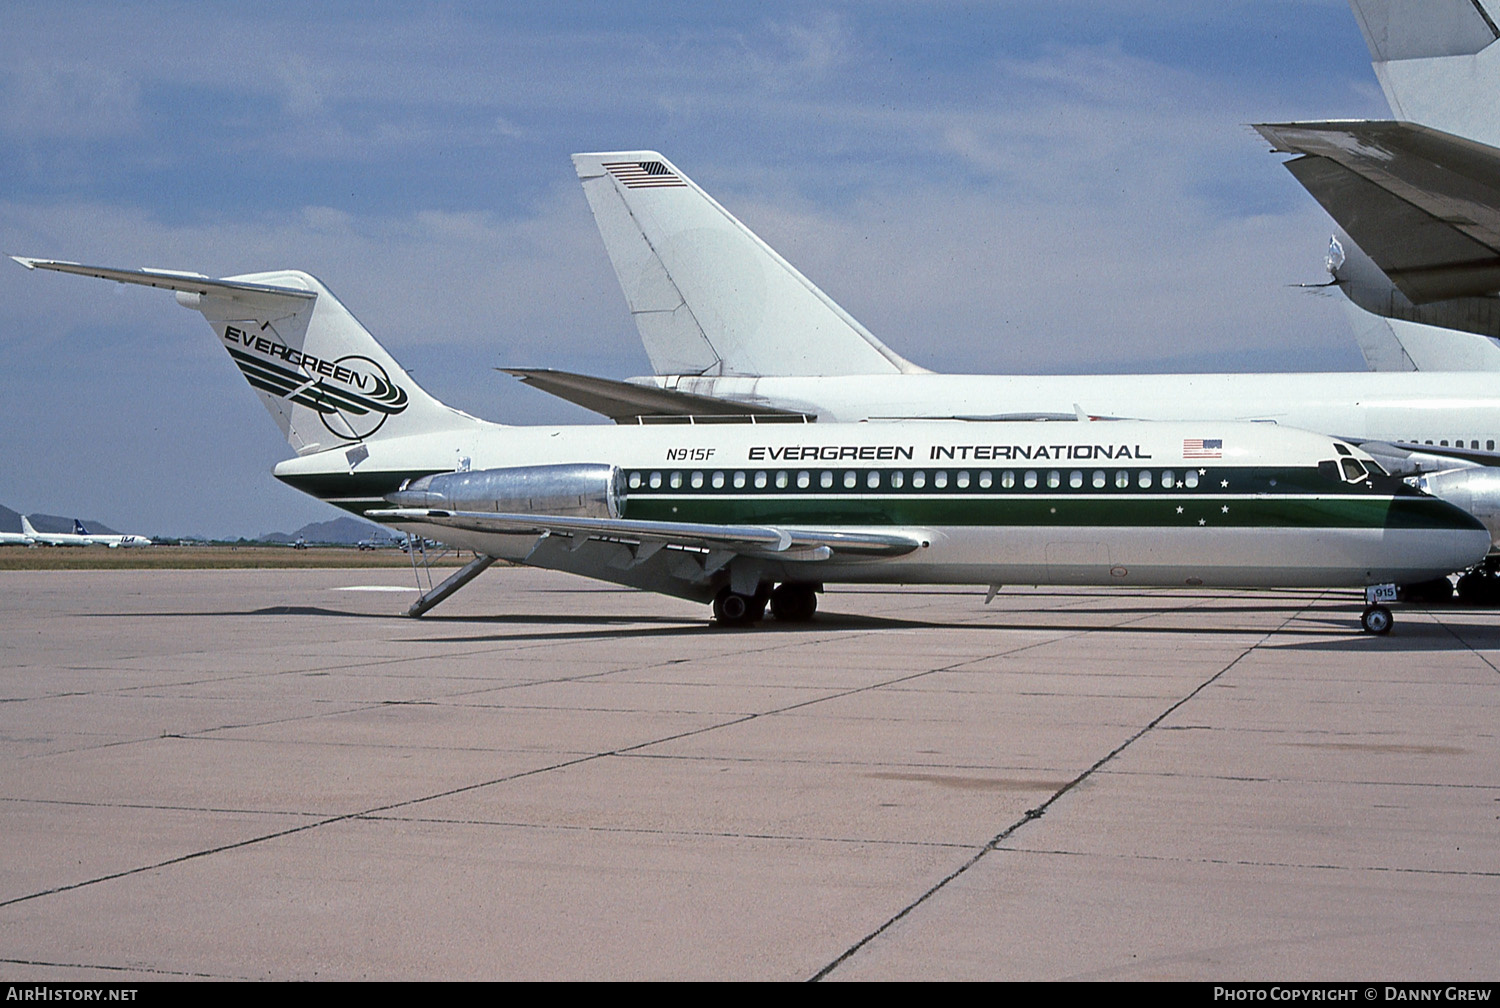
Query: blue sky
pixel 1031 187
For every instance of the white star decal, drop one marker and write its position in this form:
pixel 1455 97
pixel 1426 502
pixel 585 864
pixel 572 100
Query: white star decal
pixel 1225 509
pixel 1223 483
pixel 1202 521
pixel 1179 510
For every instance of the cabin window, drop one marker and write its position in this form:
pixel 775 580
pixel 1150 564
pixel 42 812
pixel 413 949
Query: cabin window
pixel 918 479
pixel 962 480
pixel 1098 479
pixel 1443 442
pixel 718 481
pixel 851 480
pixel 1029 479
pixel 635 481
pixel 675 480
pixel 1489 446
pixel 1144 479
pixel 1054 479
pixel 825 479
pixel 872 479
pixel 986 480
pixel 760 480
pixel 656 481
pixel 1168 479
pixel 1007 480
pixel 1190 478
pixel 898 479
pixel 739 481
pixel 804 480
pixel 1122 479
pixel 940 479
pixel 1075 479
pixel 697 480
pixel 782 480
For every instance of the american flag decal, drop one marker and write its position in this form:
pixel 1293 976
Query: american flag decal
pixel 643 174
pixel 1198 448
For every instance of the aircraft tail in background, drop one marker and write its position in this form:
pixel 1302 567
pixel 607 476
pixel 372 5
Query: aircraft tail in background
pixel 708 296
pixel 1396 345
pixel 1437 62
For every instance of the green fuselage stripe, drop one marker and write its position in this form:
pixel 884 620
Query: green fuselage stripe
pixel 1164 511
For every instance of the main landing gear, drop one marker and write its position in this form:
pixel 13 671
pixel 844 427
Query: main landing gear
pixel 790 602
pixel 1481 585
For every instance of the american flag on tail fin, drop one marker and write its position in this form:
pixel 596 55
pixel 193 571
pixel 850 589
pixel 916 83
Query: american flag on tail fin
pixel 643 174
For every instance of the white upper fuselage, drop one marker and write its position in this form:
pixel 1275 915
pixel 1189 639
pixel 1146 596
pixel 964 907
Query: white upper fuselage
pixel 1434 407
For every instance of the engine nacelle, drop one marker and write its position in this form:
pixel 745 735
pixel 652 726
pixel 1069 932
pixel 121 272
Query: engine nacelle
pixel 1477 491
pixel 582 490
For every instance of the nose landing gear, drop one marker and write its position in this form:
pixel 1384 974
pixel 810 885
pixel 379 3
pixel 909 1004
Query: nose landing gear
pixel 1376 620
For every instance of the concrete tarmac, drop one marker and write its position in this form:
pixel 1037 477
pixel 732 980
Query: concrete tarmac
pixel 272 775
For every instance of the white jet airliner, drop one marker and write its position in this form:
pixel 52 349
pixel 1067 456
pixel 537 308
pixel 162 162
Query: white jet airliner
pixel 80 536
pixel 729 325
pixel 50 538
pixel 749 514
pixel 111 539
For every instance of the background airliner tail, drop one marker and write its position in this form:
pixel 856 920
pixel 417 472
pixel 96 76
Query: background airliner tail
pixel 1396 345
pixel 1437 62
pixel 708 296
pixel 320 374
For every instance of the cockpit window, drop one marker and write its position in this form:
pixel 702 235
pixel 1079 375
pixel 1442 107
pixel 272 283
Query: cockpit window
pixel 1353 471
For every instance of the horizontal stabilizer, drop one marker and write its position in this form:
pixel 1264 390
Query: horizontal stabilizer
pixel 627 402
pixel 1424 205
pixel 754 540
pixel 257 294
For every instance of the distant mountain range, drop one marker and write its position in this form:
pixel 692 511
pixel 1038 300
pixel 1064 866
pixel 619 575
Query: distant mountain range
pixel 339 531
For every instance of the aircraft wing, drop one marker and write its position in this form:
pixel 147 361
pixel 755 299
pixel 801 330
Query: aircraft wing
pixel 627 402
pixel 756 540
pixel 1423 204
